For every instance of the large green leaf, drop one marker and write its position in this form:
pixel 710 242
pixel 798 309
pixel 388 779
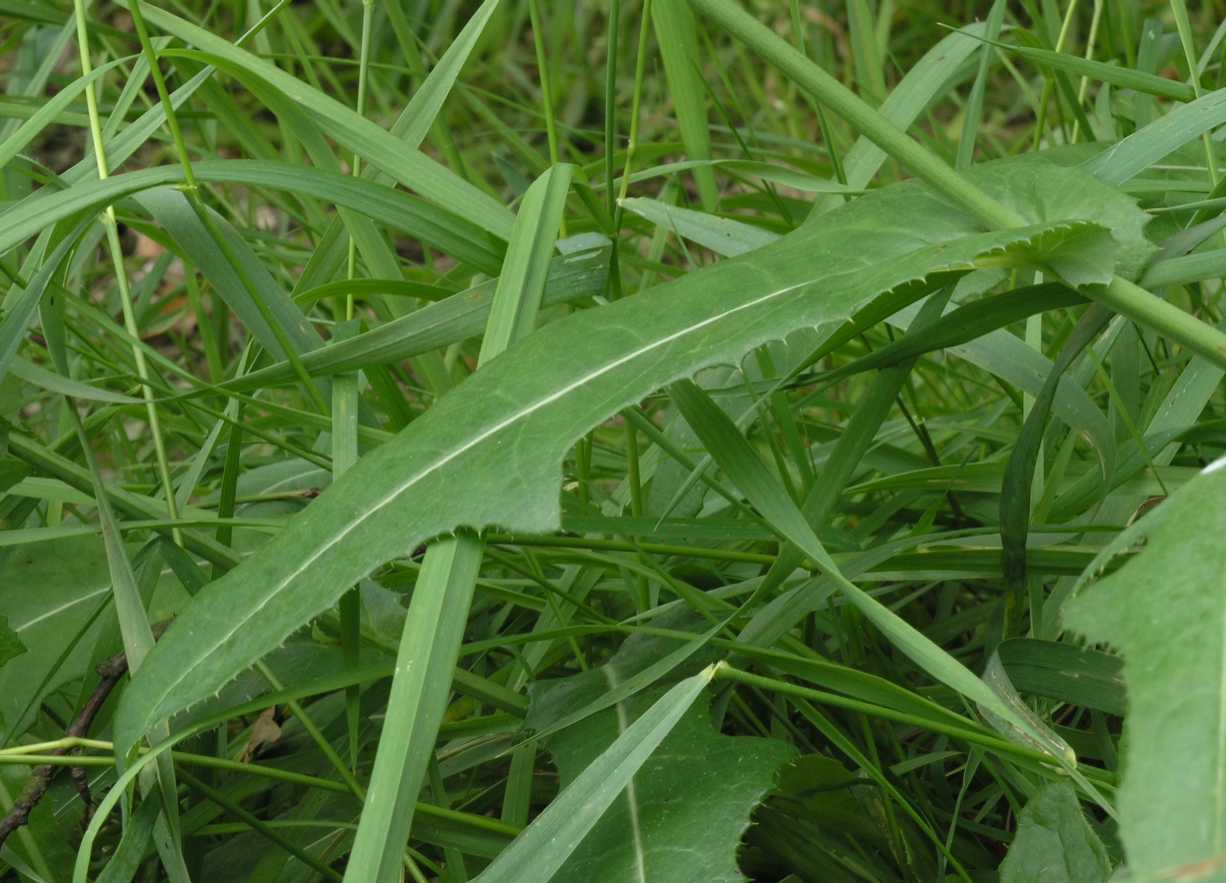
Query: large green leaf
pixel 1055 843
pixel 10 642
pixel 72 581
pixel 1165 610
pixel 488 453
pixel 683 815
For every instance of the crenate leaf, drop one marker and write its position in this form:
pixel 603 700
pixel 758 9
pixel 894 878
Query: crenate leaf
pixel 1165 610
pixel 488 453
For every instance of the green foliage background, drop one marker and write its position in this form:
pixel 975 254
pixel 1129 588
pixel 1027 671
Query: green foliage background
pixel 655 440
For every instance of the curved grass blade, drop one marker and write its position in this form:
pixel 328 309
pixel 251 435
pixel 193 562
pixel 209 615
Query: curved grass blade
pixel 1125 78
pixel 45 115
pixel 677 37
pixel 22 303
pixel 711 231
pixel 742 464
pixel 1140 150
pixel 171 209
pixel 927 80
pixel 446 231
pixel 773 620
pixel 965 324
pixel 1016 487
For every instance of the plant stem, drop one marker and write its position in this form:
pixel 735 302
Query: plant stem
pixel 111 226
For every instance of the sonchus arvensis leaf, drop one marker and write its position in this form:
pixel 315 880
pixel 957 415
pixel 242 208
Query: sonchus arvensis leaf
pixel 1165 611
pixel 489 452
pixel 683 815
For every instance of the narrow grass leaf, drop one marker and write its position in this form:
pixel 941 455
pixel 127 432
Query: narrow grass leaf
pixel 721 235
pixel 677 37
pixel 439 227
pixel 47 112
pixel 454 318
pixel 1128 158
pixel 742 464
pixel 1123 77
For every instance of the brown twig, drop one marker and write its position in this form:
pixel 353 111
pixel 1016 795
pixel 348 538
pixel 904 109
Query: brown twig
pixel 112 672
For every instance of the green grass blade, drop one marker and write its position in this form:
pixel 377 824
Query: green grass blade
pixel 677 37
pixel 974 104
pixel 45 115
pixel 438 227
pixel 1125 78
pixel 1123 161
pixel 721 235
pixel 450 320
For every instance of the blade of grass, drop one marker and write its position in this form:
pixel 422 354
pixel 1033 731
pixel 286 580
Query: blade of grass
pixel 438 612
pixel 111 226
pixel 750 474
pixel 973 113
pixel 677 37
